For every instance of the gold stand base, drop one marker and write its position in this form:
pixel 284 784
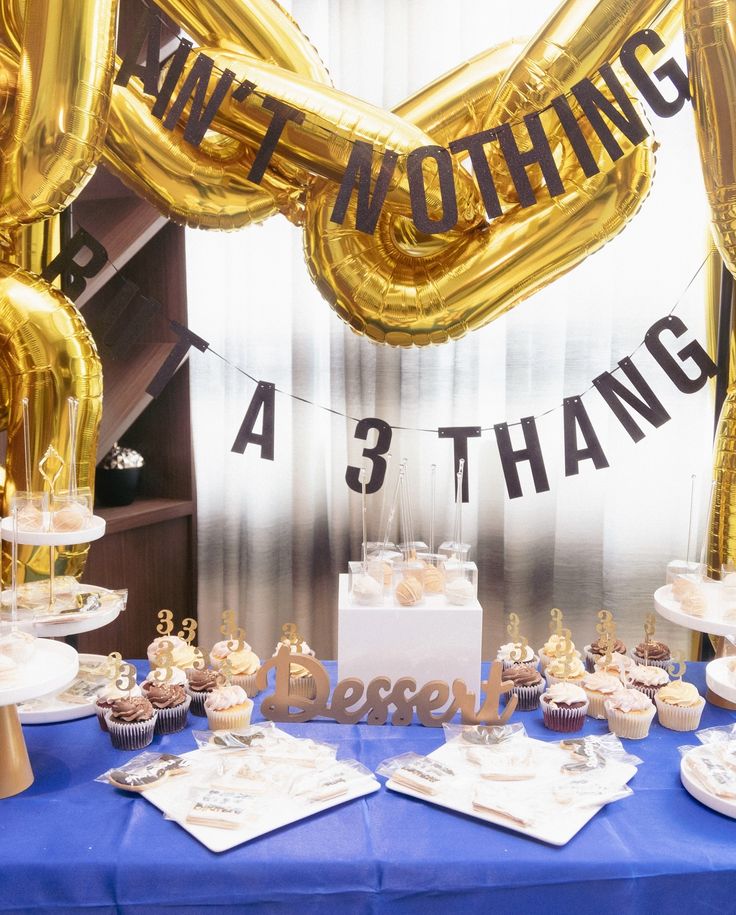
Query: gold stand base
pixel 15 769
pixel 715 699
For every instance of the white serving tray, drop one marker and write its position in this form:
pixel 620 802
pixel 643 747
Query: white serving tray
pixel 719 804
pixel 50 709
pixel 62 624
pixel 559 826
pixel 53 666
pixel 167 797
pixel 719 680
pixel 55 538
pixel 669 608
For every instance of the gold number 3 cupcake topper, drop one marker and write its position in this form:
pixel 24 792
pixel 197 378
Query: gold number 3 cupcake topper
pixel 225 675
pixel 232 632
pixel 606 622
pixel 164 662
pixel 567 654
pixel 188 630
pixel 649 628
pixel 556 625
pixel 518 652
pixel 115 665
pixel 677 666
pixel 291 635
pixel 166 626
pixel 126 680
pixel 513 627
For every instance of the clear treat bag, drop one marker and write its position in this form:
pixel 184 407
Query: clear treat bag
pixel 461 582
pixel 70 511
pixel 368 581
pixel 331 782
pixel 594 752
pixel 420 773
pixel 500 753
pixel 254 739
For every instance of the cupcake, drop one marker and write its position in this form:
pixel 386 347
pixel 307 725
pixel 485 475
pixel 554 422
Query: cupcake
pixel 200 684
pixel 648 680
pixel 559 669
pixel 598 687
pixel 131 723
pixel 183 655
pixel 176 677
pixel 228 708
pixel 680 706
pixel 505 652
pixel 619 666
pixel 172 703
pixel 596 650
pixel 554 647
pixel 655 654
pixel 107 695
pixel 564 707
pixel 244 663
pixel 301 682
pixel 528 686
pixel 629 713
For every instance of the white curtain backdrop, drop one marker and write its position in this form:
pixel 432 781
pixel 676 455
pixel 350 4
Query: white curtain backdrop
pixel 273 536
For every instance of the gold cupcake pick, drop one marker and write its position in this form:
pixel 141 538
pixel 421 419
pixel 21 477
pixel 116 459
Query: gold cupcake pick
pixel 649 628
pixel 677 666
pixel 188 630
pixel 166 626
pixel 513 627
pixel 291 635
pixel 606 622
pixel 115 662
pixel 199 662
pixel 225 673
pixel 567 654
pixel 164 662
pixel 234 634
pixel 126 680
pixel 555 625
pixel 518 652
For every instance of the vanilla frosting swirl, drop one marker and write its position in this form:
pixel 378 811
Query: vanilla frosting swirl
pixel 182 653
pixel 601 682
pixel 649 676
pixel 108 694
pixel 224 697
pixel 575 668
pixel 504 653
pixel 629 700
pixel 681 694
pixel 556 644
pixel 296 670
pixel 564 694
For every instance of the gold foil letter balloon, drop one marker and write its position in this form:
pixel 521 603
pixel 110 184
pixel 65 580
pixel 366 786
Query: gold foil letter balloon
pixel 53 138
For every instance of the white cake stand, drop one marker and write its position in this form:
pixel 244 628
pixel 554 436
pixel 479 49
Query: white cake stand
pixel 52 666
pixel 670 609
pixel 59 627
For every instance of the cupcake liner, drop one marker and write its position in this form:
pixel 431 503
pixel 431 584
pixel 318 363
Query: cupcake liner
pixel 650 691
pixel 551 680
pixel 197 706
pixel 650 662
pixel 564 719
pixel 248 683
pixel 101 711
pixel 590 659
pixel 508 663
pixel 229 719
pixel 303 686
pixel 629 725
pixel 677 718
pixel 544 660
pixel 131 735
pixel 528 696
pixel 597 701
pixel 174 719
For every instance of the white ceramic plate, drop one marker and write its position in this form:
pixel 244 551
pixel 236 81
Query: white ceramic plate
pixel 60 538
pixel 51 710
pixel 670 610
pixel 68 623
pixel 52 667
pixel 719 679
pixel 720 804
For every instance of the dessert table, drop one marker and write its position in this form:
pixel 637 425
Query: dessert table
pixel 69 844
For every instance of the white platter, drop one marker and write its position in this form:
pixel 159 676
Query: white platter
pixel 282 812
pixel 69 623
pixel 52 710
pixel 559 826
pixel 719 804
pixel 52 667
pixel 55 538
pixel 719 680
pixel 670 610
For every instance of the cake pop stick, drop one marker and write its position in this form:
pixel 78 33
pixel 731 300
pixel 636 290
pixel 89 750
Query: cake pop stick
pixel 27 444
pixel 394 503
pixel 363 510
pixel 459 503
pixel 433 486
pixel 50 466
pixel 384 492
pixel 410 517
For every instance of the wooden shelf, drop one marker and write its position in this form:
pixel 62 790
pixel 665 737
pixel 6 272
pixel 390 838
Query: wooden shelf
pixel 143 512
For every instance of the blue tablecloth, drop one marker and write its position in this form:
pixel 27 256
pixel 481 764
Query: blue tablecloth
pixel 68 843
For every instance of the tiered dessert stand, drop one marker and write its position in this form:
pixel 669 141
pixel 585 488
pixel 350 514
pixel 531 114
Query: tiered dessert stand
pixel 56 626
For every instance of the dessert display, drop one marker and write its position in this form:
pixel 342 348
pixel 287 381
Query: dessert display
pixel 630 713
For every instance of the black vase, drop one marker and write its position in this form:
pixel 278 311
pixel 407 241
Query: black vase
pixel 116 487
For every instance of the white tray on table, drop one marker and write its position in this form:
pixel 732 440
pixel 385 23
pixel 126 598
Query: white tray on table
pixel 49 709
pixel 722 805
pixel 62 624
pixel 670 609
pixel 52 667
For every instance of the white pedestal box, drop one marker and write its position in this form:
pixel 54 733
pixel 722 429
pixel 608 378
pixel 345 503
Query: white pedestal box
pixel 433 641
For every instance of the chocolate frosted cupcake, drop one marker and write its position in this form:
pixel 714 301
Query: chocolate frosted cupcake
pixel 201 682
pixel 564 707
pixel 172 703
pixel 131 723
pixel 656 654
pixel 508 654
pixel 528 686
pixel 107 696
pixel 596 650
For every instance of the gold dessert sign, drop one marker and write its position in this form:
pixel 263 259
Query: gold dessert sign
pixel 352 700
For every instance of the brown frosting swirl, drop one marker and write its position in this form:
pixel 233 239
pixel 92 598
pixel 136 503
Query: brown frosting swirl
pixel 130 710
pixel 165 695
pixel 657 651
pixel 522 675
pixel 599 647
pixel 202 681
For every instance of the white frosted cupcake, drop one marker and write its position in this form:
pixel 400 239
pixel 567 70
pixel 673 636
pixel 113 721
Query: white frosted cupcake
pixel 228 708
pixel 648 680
pixel 245 663
pixel 183 654
pixel 301 682
pixel 564 707
pixel 599 687
pixel 555 646
pixel 504 654
pixel 559 669
pixel 629 714
pixel 619 667
pixel 680 706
